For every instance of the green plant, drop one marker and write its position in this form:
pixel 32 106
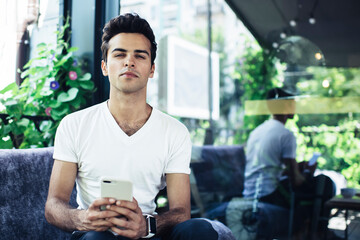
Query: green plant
pixel 54 85
pixel 339 146
pixel 255 72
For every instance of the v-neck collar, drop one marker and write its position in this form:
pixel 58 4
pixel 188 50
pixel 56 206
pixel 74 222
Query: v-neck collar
pixel 116 128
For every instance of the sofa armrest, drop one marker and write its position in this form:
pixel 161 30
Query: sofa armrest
pixel 24 182
pixel 218 172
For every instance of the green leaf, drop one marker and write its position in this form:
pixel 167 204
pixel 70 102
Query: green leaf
pixel 11 102
pixel 46 93
pixel 88 85
pixel 68 96
pixel 54 104
pixel 19 127
pixel 7 129
pixel 11 87
pixel 41 45
pixel 6 144
pixel 28 64
pixel 24 122
pixel 30 109
pixel 73 49
pixel 73 84
pixel 76 103
pixel 62 110
pixel 25 73
pixel 56 117
pixel 85 77
pixel 63 60
pixel 46 126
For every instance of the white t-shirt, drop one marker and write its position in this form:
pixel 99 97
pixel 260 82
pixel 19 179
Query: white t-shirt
pixel 92 139
pixel 267 145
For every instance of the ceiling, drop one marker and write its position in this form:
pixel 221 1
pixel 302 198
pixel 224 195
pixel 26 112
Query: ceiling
pixel 336 30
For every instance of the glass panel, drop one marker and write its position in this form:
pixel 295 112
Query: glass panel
pixel 290 47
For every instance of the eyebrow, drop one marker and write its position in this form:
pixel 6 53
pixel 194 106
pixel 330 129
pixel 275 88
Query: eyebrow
pixel 136 51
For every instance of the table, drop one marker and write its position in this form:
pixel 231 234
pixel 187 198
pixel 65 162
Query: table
pixel 346 204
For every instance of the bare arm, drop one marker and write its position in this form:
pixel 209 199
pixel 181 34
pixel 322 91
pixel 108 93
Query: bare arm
pixel 295 175
pixel 178 192
pixel 57 209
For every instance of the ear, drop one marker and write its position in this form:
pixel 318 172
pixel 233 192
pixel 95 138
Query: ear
pixel 152 70
pixel 104 68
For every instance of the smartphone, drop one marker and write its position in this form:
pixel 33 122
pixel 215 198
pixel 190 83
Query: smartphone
pixel 314 158
pixel 116 188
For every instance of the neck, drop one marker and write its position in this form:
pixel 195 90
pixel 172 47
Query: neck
pixel 281 118
pixel 129 117
pixel 127 106
pixel 128 111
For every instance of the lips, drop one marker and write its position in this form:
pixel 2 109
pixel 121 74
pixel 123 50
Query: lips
pixel 128 73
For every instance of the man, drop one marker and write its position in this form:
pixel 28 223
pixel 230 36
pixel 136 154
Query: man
pixel 272 171
pixel 126 138
pixel 270 148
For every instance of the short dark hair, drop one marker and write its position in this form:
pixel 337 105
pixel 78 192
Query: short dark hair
pixel 127 23
pixel 276 93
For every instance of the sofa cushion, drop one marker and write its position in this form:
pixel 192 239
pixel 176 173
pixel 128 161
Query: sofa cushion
pixel 219 176
pixel 24 182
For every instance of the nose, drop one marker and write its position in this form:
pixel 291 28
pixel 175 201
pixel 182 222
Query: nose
pixel 129 61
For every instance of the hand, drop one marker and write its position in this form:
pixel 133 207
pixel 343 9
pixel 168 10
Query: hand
pixel 93 219
pixel 305 166
pixel 302 166
pixel 132 223
pixel 311 168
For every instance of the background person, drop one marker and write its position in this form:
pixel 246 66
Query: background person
pixel 271 154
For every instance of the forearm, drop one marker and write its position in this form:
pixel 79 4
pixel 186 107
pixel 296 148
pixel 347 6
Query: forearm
pixel 166 221
pixel 62 215
pixel 295 174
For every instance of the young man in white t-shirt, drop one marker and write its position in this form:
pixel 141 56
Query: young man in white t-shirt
pixel 124 137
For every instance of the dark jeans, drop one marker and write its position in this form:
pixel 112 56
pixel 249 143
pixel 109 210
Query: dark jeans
pixel 192 229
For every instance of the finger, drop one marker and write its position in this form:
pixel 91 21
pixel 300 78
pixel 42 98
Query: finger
pixel 96 214
pixel 120 222
pixel 122 211
pixel 97 203
pixel 138 209
pixel 100 224
pixel 127 204
pixel 134 206
pixel 107 214
pixel 125 232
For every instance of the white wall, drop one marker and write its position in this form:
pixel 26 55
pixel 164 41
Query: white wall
pixel 13 12
pixel 48 22
pixel 8 19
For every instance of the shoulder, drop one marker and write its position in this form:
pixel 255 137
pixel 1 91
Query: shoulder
pixel 168 121
pixel 84 114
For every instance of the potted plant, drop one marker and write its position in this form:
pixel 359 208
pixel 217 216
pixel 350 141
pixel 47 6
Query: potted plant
pixel 54 85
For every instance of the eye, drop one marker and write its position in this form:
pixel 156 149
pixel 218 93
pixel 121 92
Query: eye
pixel 120 55
pixel 140 56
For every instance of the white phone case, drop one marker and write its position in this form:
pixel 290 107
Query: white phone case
pixel 116 188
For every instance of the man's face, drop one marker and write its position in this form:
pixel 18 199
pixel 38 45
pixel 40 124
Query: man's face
pixel 128 63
